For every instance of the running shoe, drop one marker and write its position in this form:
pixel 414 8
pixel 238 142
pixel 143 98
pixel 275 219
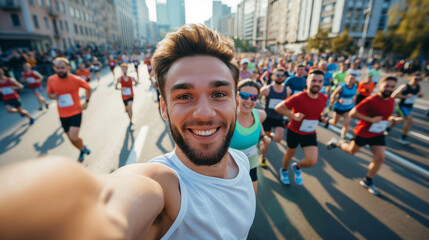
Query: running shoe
pixel 47 106
pixel 371 188
pixel 404 141
pixel 31 121
pixel 284 178
pixel 263 162
pixel 40 108
pixel 297 174
pixel 327 122
pixel 81 156
pixel 86 150
pixel 333 143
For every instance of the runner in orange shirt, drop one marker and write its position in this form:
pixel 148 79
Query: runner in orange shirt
pixel 83 72
pixel 112 64
pixel 8 87
pixel 365 89
pixel 64 87
pixel 34 80
pixel 126 88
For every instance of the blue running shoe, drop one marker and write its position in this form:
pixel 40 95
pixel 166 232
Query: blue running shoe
pixel 86 150
pixel 284 178
pixel 371 188
pixel 297 173
pixel 31 121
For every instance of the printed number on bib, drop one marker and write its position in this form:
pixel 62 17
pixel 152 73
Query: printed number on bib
pixel 7 91
pixel 347 101
pixel 410 100
pixel 96 68
pixel 378 127
pixel 65 100
pixel 149 67
pixel 273 103
pixel 126 91
pixel 30 80
pixel 308 125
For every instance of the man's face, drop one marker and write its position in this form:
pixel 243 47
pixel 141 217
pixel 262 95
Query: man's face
pixel 315 83
pixel 350 79
pixel 386 88
pixel 200 104
pixel 81 66
pixel 245 65
pixel 324 67
pixel 26 68
pixel 279 77
pixel 61 69
pixel 300 71
pixel 124 70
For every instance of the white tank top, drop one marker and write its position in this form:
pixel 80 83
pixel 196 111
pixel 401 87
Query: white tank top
pixel 212 208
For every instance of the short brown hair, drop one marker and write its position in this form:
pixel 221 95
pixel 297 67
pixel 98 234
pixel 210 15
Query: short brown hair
pixel 192 40
pixel 248 83
pixel 61 59
pixel 123 65
pixel 388 78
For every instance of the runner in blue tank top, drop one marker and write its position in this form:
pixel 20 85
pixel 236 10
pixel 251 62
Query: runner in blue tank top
pixel 273 93
pixel 343 99
pixel 248 128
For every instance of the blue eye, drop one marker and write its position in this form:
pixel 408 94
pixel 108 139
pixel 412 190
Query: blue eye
pixel 219 95
pixel 184 97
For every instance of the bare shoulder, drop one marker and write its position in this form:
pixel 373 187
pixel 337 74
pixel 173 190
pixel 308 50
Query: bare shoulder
pixel 262 114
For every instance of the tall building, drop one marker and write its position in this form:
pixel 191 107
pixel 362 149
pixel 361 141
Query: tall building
pixel 251 22
pixel 110 26
pixel 162 13
pixel 126 23
pixel 141 16
pixel 219 11
pixel 176 13
pixel 35 25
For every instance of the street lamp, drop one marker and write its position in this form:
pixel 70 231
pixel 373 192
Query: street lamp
pixel 367 13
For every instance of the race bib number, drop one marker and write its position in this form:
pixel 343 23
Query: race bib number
pixel 149 67
pixel 308 125
pixel 30 80
pixel 410 100
pixel 112 64
pixel 84 78
pixel 96 68
pixel 126 91
pixel 378 127
pixel 250 151
pixel 295 92
pixel 7 91
pixel 273 103
pixel 347 101
pixel 65 100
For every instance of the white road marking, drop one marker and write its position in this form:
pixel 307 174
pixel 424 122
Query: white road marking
pixel 138 146
pixel 419 135
pixel 392 156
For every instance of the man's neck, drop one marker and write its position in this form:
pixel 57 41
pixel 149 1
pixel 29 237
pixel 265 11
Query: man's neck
pixel 312 95
pixel 381 96
pixel 227 168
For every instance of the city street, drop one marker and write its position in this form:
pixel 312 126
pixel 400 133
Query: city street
pixel 330 205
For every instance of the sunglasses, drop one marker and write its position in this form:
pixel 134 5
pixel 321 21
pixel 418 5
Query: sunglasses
pixel 280 75
pixel 246 96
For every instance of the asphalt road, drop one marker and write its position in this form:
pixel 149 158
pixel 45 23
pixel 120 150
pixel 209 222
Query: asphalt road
pixel 330 205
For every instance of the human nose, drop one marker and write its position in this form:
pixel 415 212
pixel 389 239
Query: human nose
pixel 204 110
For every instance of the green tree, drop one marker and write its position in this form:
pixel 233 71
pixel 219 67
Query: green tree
pixel 343 44
pixel 408 25
pixel 243 45
pixel 320 41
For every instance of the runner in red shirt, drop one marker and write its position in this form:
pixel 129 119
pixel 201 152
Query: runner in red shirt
pixel 34 80
pixel 126 88
pixel 305 111
pixel 374 113
pixel 112 64
pixel 8 87
pixel 148 64
pixel 83 72
pixel 64 87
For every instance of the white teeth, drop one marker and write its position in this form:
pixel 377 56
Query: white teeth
pixel 248 106
pixel 204 133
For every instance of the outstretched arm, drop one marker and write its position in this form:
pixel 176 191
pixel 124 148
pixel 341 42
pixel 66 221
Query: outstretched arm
pixel 56 198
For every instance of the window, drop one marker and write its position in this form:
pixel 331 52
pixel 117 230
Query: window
pixel 41 3
pixel 61 25
pixel 48 3
pixel 77 13
pixel 72 12
pixel 62 8
pixel 76 30
pixel 65 43
pixel 57 6
pixel 14 18
pixel 86 31
pixel 31 2
pixel 36 22
pixel 81 30
pixel 46 22
pixel 67 26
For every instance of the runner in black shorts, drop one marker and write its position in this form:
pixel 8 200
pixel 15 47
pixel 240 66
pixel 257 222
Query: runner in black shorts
pixel 73 121
pixel 294 139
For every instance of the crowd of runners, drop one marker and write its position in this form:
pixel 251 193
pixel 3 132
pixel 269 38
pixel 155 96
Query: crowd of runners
pixel 224 112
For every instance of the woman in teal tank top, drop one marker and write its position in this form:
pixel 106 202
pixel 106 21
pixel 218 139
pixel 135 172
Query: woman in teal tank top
pixel 248 128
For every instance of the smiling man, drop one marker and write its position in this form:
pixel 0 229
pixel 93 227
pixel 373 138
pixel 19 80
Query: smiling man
pixel 201 190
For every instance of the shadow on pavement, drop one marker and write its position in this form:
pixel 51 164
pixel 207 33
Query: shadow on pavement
pixel 164 134
pixel 126 147
pixel 12 140
pixel 51 142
